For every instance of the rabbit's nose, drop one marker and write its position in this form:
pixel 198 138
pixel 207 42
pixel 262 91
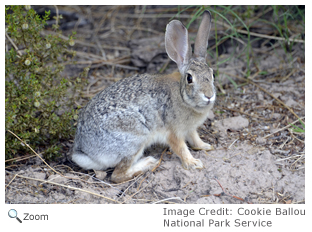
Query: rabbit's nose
pixel 209 99
pixel 212 98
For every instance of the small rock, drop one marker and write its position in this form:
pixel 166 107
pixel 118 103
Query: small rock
pixel 235 123
pixel 291 103
pixel 100 174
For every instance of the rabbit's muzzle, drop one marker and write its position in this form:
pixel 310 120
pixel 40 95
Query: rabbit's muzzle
pixel 209 100
pixel 206 100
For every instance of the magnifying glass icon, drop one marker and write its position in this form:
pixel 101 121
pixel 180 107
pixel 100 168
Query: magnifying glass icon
pixel 13 214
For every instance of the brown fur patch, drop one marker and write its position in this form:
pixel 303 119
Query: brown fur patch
pixel 176 76
pixel 178 146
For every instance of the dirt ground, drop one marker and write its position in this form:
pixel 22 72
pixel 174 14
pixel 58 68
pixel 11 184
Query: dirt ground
pixel 258 158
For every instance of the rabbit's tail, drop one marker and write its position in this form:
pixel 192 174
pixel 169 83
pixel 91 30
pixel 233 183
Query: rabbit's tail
pixel 86 162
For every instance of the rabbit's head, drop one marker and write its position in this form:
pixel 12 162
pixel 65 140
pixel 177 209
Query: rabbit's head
pixel 196 84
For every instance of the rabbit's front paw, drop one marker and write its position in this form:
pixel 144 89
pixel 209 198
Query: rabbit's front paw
pixel 196 142
pixel 192 164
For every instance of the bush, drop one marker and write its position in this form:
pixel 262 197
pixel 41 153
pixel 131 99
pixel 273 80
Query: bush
pixel 39 102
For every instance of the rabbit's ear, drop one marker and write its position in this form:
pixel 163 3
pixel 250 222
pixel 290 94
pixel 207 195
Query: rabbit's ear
pixel 177 44
pixel 201 42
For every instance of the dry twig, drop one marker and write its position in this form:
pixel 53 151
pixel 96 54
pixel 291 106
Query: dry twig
pixel 13 44
pixel 167 199
pixel 35 153
pixel 67 186
pixel 218 195
pixel 284 127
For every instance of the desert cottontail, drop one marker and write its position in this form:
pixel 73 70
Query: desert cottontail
pixel 120 122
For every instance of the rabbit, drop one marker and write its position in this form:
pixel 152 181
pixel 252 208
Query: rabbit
pixel 120 122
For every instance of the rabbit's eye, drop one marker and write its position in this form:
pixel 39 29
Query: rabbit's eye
pixel 189 78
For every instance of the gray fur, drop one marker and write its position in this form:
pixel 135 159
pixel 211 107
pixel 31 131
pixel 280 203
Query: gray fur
pixel 117 125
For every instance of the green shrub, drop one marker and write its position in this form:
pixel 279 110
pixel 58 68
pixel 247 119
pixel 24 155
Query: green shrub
pixel 39 102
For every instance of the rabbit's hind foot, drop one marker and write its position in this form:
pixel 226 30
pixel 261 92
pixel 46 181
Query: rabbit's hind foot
pixel 126 170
